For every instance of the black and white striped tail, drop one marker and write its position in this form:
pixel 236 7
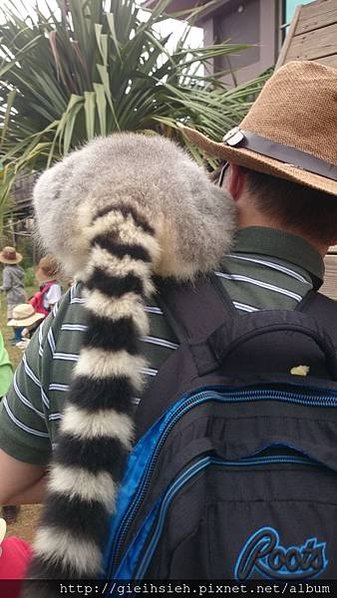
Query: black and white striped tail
pixel 97 430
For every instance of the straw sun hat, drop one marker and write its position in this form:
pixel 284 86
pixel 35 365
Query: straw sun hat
pixel 24 315
pixel 10 256
pixel 290 131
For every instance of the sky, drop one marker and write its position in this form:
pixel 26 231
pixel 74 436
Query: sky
pixel 168 26
pixel 291 7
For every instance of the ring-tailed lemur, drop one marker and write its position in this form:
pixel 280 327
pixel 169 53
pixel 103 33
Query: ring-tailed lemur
pixel 114 213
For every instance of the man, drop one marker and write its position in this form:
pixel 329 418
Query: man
pixel 283 179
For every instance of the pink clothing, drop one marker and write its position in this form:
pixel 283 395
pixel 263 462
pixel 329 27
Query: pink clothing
pixel 14 560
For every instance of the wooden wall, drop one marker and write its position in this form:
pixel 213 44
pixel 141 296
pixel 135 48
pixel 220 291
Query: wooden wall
pixel 330 282
pixel 312 35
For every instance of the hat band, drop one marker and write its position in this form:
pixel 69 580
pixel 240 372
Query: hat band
pixel 283 153
pixel 9 255
pixel 18 318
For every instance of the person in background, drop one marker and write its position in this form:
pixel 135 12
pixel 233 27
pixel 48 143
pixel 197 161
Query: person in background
pixel 25 318
pixel 13 283
pixel 10 512
pixel 46 274
pixel 14 557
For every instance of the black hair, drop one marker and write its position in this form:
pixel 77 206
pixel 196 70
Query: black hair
pixel 303 209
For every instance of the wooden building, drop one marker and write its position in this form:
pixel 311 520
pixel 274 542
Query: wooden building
pixel 313 36
pixel 261 23
pixel 22 195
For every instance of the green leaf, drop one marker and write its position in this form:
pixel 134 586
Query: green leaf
pixel 111 22
pixel 106 84
pixel 89 110
pixel 10 101
pixel 100 67
pixel 101 105
pixel 102 42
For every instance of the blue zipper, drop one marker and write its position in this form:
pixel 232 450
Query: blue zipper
pixel 163 428
pixel 186 476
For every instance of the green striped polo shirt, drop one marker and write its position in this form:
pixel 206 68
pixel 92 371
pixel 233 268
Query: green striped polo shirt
pixel 267 269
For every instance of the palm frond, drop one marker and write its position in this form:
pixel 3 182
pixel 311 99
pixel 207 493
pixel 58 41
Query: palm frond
pixel 80 71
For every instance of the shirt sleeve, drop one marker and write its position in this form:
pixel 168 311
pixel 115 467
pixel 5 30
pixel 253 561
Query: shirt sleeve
pixel 6 370
pixel 24 410
pixel 53 295
pixel 6 280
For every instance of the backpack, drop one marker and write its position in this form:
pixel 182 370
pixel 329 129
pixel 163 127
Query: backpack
pixel 234 473
pixel 37 300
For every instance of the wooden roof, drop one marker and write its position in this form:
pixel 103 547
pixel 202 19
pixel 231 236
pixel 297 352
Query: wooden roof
pixel 312 34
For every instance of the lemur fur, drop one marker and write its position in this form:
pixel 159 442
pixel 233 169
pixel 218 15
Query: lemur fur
pixel 114 213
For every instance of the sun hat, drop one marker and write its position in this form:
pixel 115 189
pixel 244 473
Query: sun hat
pixel 290 131
pixel 3 527
pixel 24 315
pixel 9 255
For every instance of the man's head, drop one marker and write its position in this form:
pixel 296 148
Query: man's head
pixel 265 200
pixel 289 134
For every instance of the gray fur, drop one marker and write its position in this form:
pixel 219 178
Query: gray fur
pixel 154 174
pixel 111 191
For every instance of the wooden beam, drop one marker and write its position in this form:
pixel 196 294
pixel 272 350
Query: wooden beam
pixel 317 15
pixel 329 287
pixel 282 59
pixel 313 45
pixel 328 60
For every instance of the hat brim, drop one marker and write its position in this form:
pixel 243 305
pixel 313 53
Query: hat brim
pixel 27 321
pixel 17 260
pixel 3 529
pixel 249 159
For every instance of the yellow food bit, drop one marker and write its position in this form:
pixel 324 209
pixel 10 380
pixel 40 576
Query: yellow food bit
pixel 300 370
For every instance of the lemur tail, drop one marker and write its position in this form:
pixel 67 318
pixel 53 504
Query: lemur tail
pixel 96 432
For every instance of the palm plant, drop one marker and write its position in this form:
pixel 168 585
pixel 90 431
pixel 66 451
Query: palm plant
pixel 91 67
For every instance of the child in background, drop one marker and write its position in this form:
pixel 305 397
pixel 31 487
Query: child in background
pixel 12 282
pixel 14 558
pixel 50 292
pixel 25 318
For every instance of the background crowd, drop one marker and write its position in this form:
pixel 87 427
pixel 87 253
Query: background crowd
pixel 24 315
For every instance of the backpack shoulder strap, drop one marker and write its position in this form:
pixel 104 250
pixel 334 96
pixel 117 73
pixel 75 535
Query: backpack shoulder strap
pixel 199 312
pixel 46 287
pixel 323 309
pixel 195 310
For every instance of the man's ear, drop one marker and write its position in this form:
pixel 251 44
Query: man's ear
pixel 235 181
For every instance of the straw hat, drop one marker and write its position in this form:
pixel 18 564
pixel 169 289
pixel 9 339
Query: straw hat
pixel 290 131
pixel 9 255
pixel 3 527
pixel 24 315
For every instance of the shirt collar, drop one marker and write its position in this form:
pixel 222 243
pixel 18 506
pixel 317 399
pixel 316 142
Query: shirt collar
pixel 283 246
